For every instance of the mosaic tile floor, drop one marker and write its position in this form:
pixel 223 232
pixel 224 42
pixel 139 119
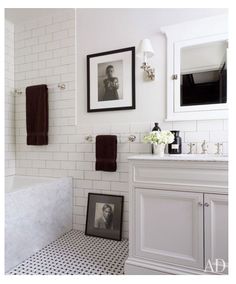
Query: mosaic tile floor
pixel 74 253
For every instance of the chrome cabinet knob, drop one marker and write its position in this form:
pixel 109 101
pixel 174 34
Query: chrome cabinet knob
pixel 200 203
pixel 206 204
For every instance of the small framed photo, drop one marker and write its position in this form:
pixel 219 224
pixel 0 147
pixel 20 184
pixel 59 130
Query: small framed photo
pixel 104 216
pixel 111 80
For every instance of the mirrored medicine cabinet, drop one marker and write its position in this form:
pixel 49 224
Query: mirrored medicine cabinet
pixel 197 69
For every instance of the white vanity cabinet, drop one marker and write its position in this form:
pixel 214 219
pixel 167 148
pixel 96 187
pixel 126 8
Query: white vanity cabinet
pixel 178 215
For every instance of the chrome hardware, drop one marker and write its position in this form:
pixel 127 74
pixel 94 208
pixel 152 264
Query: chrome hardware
pixel 61 86
pixel 206 204
pixel 174 77
pixel 200 203
pixel 219 148
pixel 131 138
pixel 191 145
pixel 150 72
pixel 18 92
pixel 89 138
pixel 204 147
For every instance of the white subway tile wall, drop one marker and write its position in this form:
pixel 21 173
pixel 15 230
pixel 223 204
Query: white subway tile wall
pixel 45 53
pixel 9 100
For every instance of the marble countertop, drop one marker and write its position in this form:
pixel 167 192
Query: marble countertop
pixel 182 157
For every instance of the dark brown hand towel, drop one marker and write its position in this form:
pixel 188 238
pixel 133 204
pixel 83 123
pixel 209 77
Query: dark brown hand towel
pixel 106 153
pixel 37 115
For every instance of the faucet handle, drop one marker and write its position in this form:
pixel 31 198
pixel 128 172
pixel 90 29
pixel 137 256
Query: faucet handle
pixel 219 148
pixel 204 147
pixel 191 145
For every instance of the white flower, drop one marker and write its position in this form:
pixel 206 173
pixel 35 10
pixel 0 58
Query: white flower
pixel 159 137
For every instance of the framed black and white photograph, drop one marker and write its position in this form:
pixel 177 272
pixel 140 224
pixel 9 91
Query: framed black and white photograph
pixel 111 80
pixel 104 216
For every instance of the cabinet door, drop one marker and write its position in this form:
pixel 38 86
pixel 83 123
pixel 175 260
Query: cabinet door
pixel 216 231
pixel 169 226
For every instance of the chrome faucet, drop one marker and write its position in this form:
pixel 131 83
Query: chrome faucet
pixel 191 145
pixel 204 147
pixel 219 148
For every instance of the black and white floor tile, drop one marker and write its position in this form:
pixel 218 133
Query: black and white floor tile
pixel 74 253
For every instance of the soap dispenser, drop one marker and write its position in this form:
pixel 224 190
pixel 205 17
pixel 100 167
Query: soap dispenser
pixel 176 146
pixel 155 128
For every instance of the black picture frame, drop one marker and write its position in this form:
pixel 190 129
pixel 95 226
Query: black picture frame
pixel 96 225
pixel 130 93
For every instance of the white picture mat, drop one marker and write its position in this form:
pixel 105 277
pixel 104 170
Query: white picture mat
pixel 126 57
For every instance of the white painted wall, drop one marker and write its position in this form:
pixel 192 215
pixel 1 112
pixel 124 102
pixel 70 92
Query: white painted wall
pixel 45 53
pixel 101 30
pixel 9 100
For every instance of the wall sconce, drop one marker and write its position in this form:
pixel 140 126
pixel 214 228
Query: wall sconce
pixel 146 51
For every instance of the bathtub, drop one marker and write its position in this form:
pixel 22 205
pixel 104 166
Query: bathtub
pixel 37 211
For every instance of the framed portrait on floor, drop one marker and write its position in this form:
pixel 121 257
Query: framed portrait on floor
pixel 104 216
pixel 111 80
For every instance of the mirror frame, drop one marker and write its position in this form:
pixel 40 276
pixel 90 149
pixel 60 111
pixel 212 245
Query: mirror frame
pixel 206 30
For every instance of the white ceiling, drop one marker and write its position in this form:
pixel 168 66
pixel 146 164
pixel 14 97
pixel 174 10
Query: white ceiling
pixel 17 15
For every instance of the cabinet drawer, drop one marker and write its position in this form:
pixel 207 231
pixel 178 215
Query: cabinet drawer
pixel 185 173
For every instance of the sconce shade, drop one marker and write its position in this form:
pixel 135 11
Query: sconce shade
pixel 145 49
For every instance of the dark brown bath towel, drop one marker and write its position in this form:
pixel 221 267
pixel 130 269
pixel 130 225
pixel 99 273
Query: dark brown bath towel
pixel 37 115
pixel 106 153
